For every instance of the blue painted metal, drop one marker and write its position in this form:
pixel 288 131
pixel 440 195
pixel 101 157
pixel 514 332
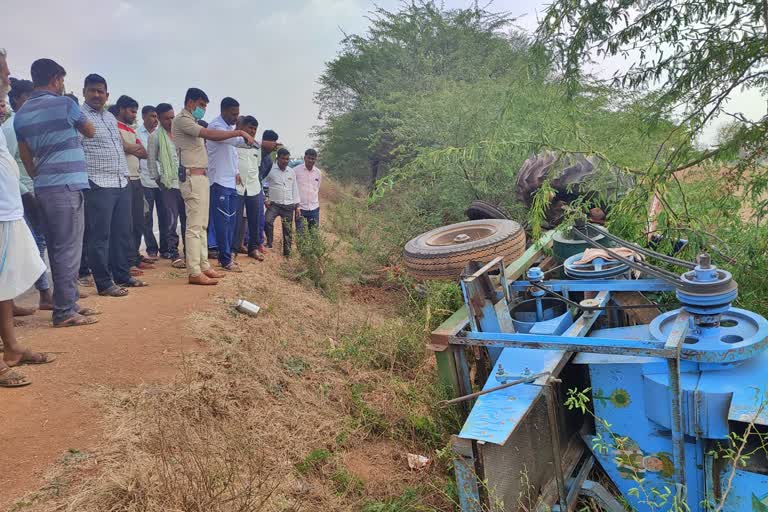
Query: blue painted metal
pixel 665 392
pixel 466 477
pixel 586 285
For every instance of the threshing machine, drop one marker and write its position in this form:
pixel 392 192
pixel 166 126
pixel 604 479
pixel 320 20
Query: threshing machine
pixel 586 372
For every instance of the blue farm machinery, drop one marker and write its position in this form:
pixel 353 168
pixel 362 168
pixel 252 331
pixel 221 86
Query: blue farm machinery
pixel 574 383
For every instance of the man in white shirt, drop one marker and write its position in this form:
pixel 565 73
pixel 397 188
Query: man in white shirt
pixel 21 90
pixel 21 265
pixel 251 200
pixel 222 171
pixel 282 199
pixel 308 177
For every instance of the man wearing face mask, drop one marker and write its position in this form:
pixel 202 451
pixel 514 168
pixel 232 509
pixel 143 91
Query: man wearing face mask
pixel 47 127
pixel 189 137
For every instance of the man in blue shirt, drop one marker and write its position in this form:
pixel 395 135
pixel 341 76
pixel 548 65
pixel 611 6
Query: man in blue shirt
pixel 47 127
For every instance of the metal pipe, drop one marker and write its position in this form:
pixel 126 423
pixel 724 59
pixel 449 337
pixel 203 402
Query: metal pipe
pixel 675 342
pixel 649 348
pixel 539 310
pixel 491 390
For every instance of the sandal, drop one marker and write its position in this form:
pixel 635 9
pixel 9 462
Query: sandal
pixel 29 357
pixel 13 379
pixel 76 320
pixel 179 263
pixel 133 283
pixel 145 266
pixel 136 272
pixel 232 267
pixel 149 258
pixel 255 254
pixel 88 312
pixel 114 291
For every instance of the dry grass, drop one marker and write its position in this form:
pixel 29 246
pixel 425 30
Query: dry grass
pixel 236 428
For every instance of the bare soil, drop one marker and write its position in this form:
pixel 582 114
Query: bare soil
pixel 139 339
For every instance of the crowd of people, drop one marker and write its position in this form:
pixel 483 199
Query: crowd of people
pixel 84 184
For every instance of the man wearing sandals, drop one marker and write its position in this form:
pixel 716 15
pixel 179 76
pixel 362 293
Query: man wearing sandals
pixel 21 265
pixel 108 201
pixel 189 137
pixel 163 168
pixel 47 127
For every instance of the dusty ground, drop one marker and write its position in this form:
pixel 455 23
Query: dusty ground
pixel 124 419
pixel 139 339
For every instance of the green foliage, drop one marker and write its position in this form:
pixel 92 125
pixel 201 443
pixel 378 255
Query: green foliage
pixel 318 267
pixel 394 346
pixel 408 501
pixel 369 420
pixel 347 483
pixel 313 461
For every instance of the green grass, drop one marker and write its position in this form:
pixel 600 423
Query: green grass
pixel 312 462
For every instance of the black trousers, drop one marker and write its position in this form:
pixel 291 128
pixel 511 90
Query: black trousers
pixel 175 211
pixel 253 206
pixel 137 220
pixel 108 214
pixel 285 212
pixel 154 197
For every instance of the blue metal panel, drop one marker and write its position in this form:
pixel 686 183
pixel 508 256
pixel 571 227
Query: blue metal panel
pixel 749 492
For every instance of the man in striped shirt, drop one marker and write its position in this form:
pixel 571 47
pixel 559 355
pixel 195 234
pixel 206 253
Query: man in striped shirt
pixel 47 127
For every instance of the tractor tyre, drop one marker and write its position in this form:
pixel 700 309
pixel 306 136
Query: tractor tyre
pixel 444 252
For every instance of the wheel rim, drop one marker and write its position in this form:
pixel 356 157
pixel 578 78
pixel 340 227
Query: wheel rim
pixel 461 235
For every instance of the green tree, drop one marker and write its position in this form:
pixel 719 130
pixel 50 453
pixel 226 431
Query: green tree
pixel 694 53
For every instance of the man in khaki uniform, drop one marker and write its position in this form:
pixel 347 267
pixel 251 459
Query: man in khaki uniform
pixel 188 137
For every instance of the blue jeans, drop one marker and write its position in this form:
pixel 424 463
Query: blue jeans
pixel 224 220
pixel 42 283
pixel 311 216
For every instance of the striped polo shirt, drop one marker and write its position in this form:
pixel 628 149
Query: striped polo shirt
pixel 48 124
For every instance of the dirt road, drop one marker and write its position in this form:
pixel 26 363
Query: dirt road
pixel 140 338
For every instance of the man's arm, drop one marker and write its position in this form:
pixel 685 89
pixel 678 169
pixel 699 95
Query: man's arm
pixel 79 121
pixel 87 129
pixel 136 150
pixel 222 135
pixel 27 158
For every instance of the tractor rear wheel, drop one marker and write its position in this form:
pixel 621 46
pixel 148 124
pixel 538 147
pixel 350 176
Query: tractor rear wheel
pixel 444 252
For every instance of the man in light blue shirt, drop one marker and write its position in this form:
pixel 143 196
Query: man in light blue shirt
pixel 222 171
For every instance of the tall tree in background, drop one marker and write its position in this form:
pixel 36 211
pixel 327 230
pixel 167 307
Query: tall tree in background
pixel 694 53
pixel 405 53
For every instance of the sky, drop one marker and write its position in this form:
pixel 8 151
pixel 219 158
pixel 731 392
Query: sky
pixel 267 55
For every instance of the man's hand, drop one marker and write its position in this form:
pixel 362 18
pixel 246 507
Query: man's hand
pixel 298 212
pixel 238 179
pixel 267 202
pixel 246 136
